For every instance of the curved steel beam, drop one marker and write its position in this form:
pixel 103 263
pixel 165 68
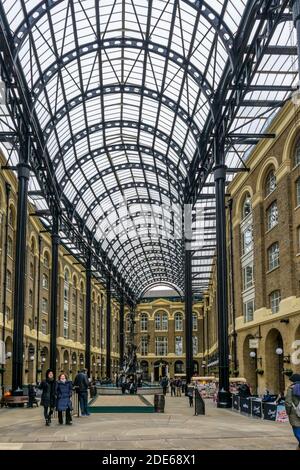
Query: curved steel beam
pixel 138 200
pixel 67 145
pixel 132 184
pixel 113 88
pixel 164 271
pixel 211 16
pixel 175 181
pixel 154 284
pixel 153 262
pixel 117 43
pixel 153 222
pixel 146 244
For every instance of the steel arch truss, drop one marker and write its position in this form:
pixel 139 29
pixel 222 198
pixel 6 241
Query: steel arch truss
pixel 123 99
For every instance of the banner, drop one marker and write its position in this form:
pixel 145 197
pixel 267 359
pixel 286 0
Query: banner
pixel 281 415
pixel 270 410
pixel 256 410
pixel 245 405
pixel 236 402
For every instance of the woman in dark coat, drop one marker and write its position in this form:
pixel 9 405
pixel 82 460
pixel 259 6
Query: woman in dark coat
pixel 63 398
pixel 48 395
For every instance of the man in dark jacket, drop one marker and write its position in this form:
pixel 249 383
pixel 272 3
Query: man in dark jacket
pixel 292 402
pixel 82 383
pixel 48 395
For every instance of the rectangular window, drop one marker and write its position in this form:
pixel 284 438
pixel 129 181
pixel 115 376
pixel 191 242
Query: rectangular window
pixel 178 345
pixel 8 280
pixel 144 346
pixel 161 346
pixel 248 310
pixel 248 276
pixel 247 240
pixel 275 298
pixel 272 215
pixel 273 256
pixel 195 345
pixel 195 322
pixel 44 305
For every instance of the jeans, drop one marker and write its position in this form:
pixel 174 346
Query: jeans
pixel 68 416
pixel 296 431
pixel 46 414
pixel 83 400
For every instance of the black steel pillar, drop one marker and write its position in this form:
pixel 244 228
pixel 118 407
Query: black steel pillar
pixel 121 330
pixel 38 312
pixel 224 397
pixel 7 193
pixel 108 325
pixel 54 290
pixel 232 291
pixel 188 293
pixel 88 294
pixel 23 170
pixel 296 19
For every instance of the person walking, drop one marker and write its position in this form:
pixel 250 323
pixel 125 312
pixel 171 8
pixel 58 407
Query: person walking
pixel 190 394
pixel 81 383
pixel 48 395
pixel 173 387
pixel 292 405
pixel 31 396
pixel 63 392
pixel 164 383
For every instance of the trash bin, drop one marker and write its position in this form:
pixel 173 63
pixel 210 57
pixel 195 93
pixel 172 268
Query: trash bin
pixel 199 404
pixel 159 403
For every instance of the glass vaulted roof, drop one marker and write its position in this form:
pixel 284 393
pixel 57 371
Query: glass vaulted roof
pixel 122 93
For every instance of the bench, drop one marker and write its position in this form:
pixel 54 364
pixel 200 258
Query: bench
pixel 14 400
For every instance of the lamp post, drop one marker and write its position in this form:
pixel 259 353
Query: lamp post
pixel 254 358
pixel 8 188
pixel 279 352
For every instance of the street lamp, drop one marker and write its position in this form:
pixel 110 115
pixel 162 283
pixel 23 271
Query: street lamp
pixel 8 355
pixel 279 352
pixel 254 357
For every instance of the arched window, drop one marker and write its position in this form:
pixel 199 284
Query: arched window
pixel 178 321
pixel 157 321
pixel 44 327
pixel 297 153
pixel 11 217
pixel 144 322
pixel 270 184
pixel 9 246
pixel 247 206
pixel 272 215
pixel 298 192
pixel 274 299
pixel 46 260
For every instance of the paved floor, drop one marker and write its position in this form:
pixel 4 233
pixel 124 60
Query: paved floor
pixel 177 429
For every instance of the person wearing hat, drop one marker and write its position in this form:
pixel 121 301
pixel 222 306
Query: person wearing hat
pixel 48 395
pixel 292 405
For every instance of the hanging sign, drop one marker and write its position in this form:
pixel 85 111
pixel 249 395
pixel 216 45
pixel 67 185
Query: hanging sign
pixel 253 343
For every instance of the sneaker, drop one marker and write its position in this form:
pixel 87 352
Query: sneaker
pixel 69 423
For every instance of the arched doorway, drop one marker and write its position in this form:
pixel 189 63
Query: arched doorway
pixel 44 361
pixel 295 359
pixel 160 369
pixel 31 361
pixel 274 361
pixel 250 364
pixel 145 370
pixel 74 365
pixel 8 365
pixel 195 368
pixel 65 367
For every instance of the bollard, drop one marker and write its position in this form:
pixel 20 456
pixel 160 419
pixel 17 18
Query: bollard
pixel 159 403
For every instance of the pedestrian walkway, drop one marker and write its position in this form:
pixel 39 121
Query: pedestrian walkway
pixel 177 428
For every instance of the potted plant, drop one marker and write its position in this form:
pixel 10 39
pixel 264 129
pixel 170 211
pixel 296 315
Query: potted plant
pixel 2 370
pixel 260 371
